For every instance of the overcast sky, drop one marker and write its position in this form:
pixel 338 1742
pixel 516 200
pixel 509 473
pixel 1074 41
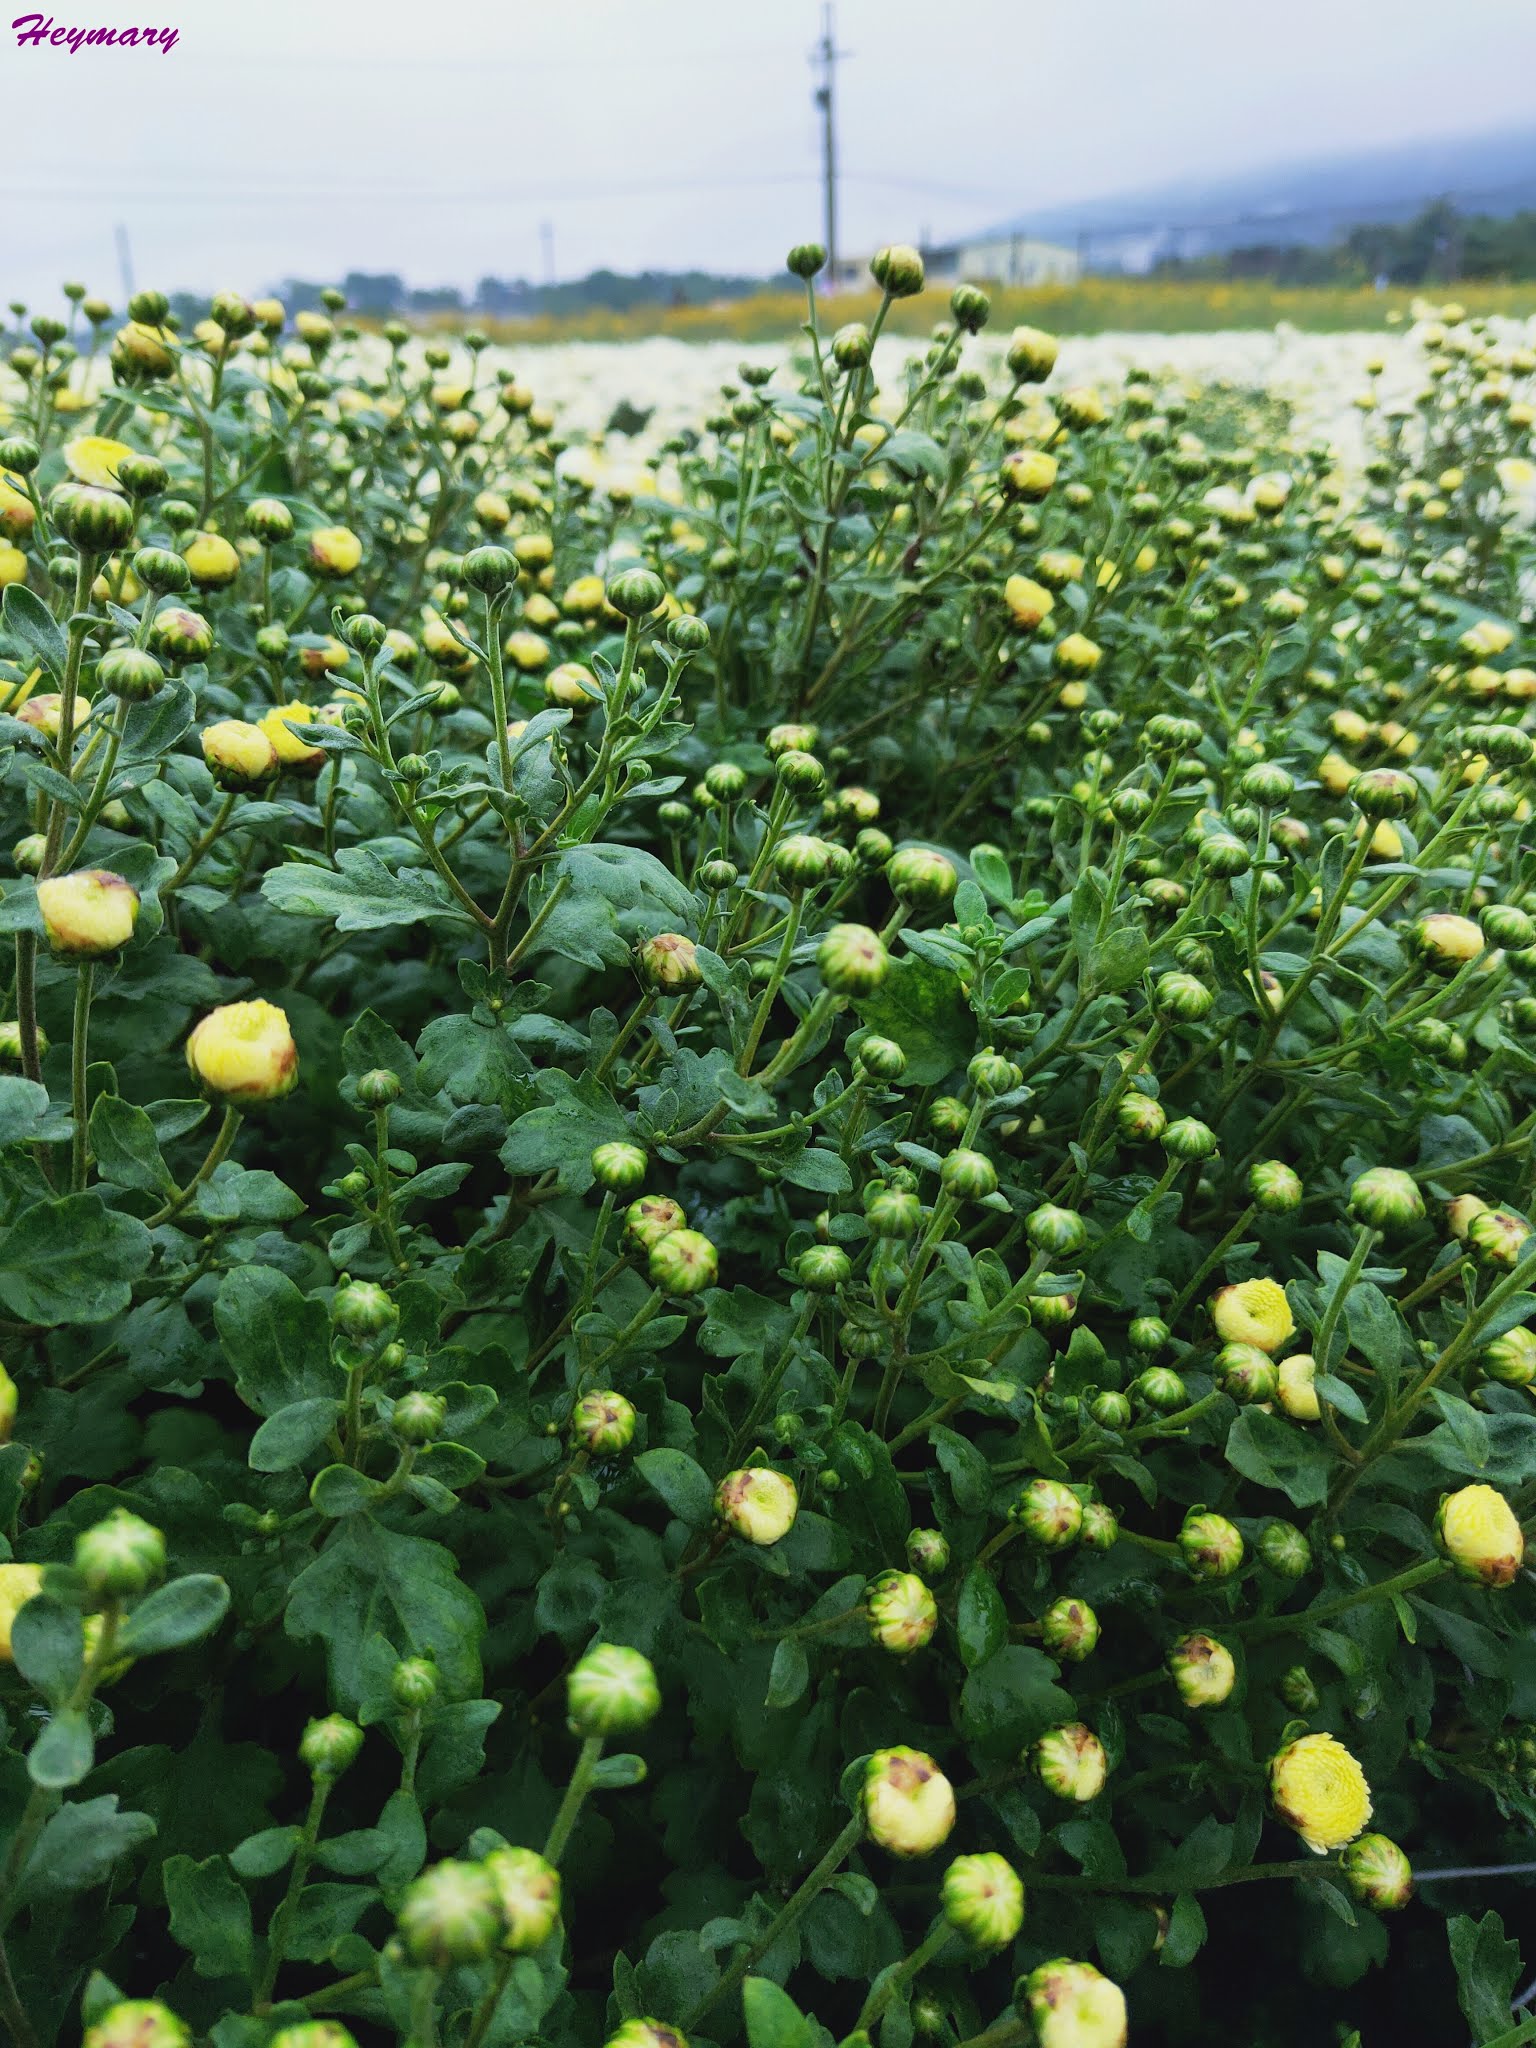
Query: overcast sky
pixel 309 137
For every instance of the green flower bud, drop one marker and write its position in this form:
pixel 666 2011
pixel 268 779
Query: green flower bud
pixel 918 875
pixel 897 270
pixel 618 1165
pixel 1100 1530
pixel 269 520
pixel 725 781
pixel 1266 783
pixel 378 1088
pixel 928 1552
pixel 719 874
pixel 1070 1762
pixel 1285 1550
pixel 881 1059
pixel 1298 1692
pixel 1069 1630
pixel 161 571
pixel 893 1213
pixel 636 593
pixel 612 1690
pixel 1223 853
pixel 1245 1374
pixel 1181 997
pixel 802 861
pixel 1147 1335
pixel 668 963
pixel 313 2034
pixel 363 1312
pixel 1210 1546
pixel 990 1073
pixel 1377 1872
pixel 450 1914
pixel 902 1613
pixel 181 636
pixel 130 674
pixel 1274 1187
pixel 968 1175
pixel 1161 1388
pixel 802 773
pixel 1049 1513
pixel 909 1804
pixel 823 1268
pixel 138 2023
pixel 120 1555
pixel 688 634
pixel 757 1504
pixel 1498 1236
pixel 413 1683
pixel 529 1891
pixel 94 521
pixel 983 1900
pixel 1072 2006
pixel 1140 1119
pixel 1030 355
pixel 489 569
pixel 329 1746
pixel 1202 1671
pixel 1511 1358
pixel 1110 1409
pixel 851 959
pixel 1506 925
pixel 683 1262
pixel 1387 1199
pixel 1052 1311
pixel 1188 1138
pixel 651 1218
pixel 646 2034
pixel 806 259
pixel 1384 793
pixel 418 1418
pixel 602 1424
pixel 1058 1231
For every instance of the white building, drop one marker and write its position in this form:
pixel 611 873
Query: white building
pixel 1003 259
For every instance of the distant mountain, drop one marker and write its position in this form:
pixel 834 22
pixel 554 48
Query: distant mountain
pixel 1311 202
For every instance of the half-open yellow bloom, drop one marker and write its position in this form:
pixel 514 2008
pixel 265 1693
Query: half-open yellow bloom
pixel 1480 1533
pixel 1253 1312
pixel 1319 1790
pixel 93 459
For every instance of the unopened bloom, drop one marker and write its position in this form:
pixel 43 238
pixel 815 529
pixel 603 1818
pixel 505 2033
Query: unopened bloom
pixel 450 1914
pixel 1073 2006
pixel 902 1612
pixel 1386 1199
pixel 1202 1669
pixel 1050 1513
pixel 983 1900
pixel 239 754
pixel 1378 1873
pixel 1320 1790
pixel 1210 1546
pixel 1478 1530
pixel 140 2023
pixel 1070 1762
pixel 334 551
pixel 19 1583
pixel 602 1423
pixel 1069 1629
pixel 88 913
pixel 1296 1387
pixel 909 1804
pixel 612 1690
pixel 291 751
pixel 669 963
pixel 852 960
pixel 1253 1312
pixel 683 1262
pixel 528 1888
pixel 244 1052
pixel 760 1505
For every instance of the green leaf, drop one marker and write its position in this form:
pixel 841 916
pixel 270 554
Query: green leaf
pixel 210 1916
pixel 773 2018
pixel 1011 1698
pixel 182 1612
pixel 577 1117
pixel 789 1675
pixel 290 1436
pixel 923 1007
pixel 25 1114
pixel 371 1580
pixel 126 1148
pixel 82 1844
pixel 682 1483
pixel 342 1490
pixel 362 894
pixel 48 1646
pixel 1487 1966
pixel 1117 961
pixel 278 1341
pixel 71 1260
pixel 30 622
pixel 64 1752
pixel 981 1619
pixel 1279 1455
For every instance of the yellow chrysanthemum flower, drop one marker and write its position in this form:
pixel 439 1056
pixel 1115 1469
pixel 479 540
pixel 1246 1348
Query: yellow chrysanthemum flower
pixel 1480 1533
pixel 1253 1312
pixel 1320 1790
pixel 93 459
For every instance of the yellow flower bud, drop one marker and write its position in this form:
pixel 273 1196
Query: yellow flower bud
pixel 1029 603
pixel 1296 1387
pixel 212 560
pixel 19 1583
pixel 909 1804
pixel 244 1052
pixel 292 752
pixel 334 551
pixel 88 913
pixel 239 755
pixel 1477 1529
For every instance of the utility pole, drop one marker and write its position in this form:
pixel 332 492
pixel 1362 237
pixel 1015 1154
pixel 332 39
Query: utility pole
pixel 826 55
